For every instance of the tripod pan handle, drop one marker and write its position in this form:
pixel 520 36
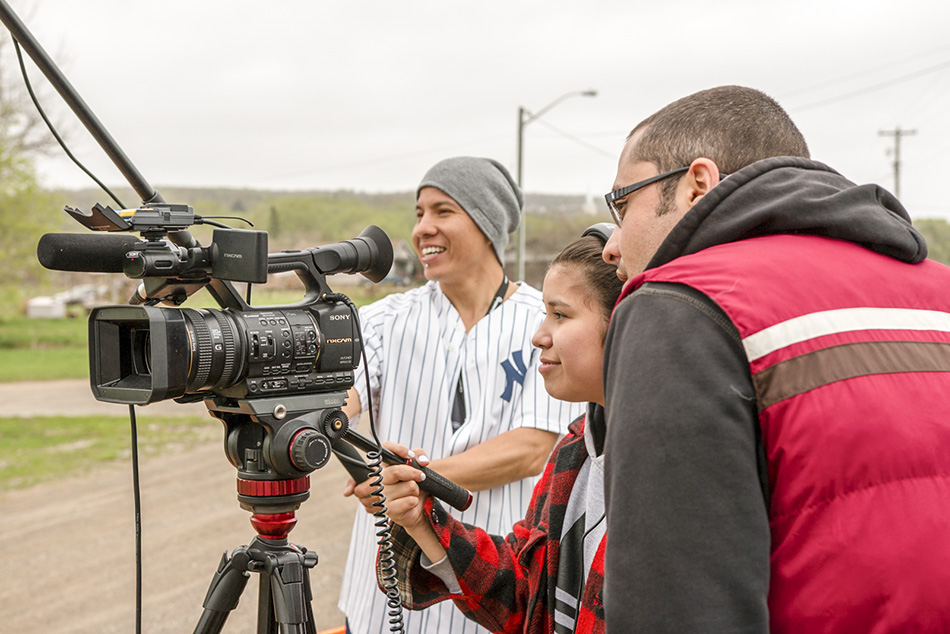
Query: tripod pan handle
pixel 437 485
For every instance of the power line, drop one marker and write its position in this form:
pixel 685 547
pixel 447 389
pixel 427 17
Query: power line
pixel 578 140
pixel 391 158
pixel 862 73
pixel 867 89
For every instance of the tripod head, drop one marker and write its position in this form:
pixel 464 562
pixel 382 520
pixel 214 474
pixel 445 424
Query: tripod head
pixel 276 442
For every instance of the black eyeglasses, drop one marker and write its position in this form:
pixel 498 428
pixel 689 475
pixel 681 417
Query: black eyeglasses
pixel 617 211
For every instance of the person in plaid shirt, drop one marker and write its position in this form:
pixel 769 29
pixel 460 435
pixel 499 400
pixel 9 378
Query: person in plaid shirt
pixel 547 574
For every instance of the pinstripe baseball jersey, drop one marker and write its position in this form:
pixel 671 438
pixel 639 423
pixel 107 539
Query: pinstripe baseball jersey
pixel 416 349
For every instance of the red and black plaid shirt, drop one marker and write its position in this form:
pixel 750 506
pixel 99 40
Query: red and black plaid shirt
pixel 508 582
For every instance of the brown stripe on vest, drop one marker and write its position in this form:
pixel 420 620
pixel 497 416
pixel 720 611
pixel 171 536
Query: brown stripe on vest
pixel 837 363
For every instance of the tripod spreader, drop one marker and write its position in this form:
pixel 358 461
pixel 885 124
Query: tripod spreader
pixel 285 592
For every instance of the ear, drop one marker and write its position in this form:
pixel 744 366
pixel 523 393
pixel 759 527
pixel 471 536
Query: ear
pixel 702 176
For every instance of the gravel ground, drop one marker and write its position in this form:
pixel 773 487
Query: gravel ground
pixel 69 544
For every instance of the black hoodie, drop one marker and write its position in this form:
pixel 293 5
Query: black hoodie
pixel 668 349
pixel 794 195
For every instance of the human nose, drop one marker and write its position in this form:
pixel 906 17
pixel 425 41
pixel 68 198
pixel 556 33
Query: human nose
pixel 611 253
pixel 424 225
pixel 541 338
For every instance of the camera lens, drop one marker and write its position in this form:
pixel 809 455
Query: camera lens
pixel 217 349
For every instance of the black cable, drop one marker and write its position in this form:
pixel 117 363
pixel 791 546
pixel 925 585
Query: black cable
pixel 205 220
pixel 201 221
pixel 52 129
pixel 137 501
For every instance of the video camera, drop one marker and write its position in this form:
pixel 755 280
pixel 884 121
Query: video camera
pixel 144 354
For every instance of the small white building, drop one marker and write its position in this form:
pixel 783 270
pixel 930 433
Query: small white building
pixel 84 296
pixel 45 308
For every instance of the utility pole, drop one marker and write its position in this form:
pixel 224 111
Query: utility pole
pixel 897 133
pixel 524 118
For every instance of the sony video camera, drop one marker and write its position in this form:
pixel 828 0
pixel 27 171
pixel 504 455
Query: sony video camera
pixel 146 353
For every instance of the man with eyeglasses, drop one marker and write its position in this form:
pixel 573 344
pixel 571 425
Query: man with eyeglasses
pixel 777 376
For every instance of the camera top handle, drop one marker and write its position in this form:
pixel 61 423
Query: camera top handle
pixel 28 42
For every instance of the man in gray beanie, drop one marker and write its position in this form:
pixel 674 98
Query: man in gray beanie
pixel 452 369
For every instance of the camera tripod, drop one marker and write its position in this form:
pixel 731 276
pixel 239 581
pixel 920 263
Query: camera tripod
pixel 284 584
pixel 275 443
pixel 274 449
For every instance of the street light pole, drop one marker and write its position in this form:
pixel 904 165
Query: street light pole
pixel 524 118
pixel 521 124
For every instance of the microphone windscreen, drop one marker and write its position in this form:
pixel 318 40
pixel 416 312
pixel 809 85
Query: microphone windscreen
pixel 86 252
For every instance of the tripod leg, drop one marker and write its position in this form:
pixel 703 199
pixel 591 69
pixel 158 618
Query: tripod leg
pixel 225 591
pixel 266 621
pixel 290 591
pixel 311 624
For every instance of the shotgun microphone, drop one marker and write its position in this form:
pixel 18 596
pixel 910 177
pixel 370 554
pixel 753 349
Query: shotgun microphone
pixel 84 252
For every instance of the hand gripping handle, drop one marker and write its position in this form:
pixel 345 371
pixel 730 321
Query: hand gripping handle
pixel 439 486
pixel 435 483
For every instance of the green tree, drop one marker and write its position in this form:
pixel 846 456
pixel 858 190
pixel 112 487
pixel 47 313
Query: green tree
pixel 26 212
pixel 937 234
pixel 22 130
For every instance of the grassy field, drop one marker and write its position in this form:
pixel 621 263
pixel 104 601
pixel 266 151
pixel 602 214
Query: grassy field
pixel 34 349
pixel 45 448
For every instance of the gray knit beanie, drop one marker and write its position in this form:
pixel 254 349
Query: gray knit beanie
pixel 485 190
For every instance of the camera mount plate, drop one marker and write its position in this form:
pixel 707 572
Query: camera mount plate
pixel 157 217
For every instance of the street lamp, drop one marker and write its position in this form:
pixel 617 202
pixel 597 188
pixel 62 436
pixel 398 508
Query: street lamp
pixel 524 118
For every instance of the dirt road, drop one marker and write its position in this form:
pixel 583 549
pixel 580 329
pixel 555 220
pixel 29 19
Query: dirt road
pixel 69 545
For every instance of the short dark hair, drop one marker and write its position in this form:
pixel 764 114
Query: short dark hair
pixel 731 125
pixel 587 255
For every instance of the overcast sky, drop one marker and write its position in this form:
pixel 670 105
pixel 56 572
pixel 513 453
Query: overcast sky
pixel 367 94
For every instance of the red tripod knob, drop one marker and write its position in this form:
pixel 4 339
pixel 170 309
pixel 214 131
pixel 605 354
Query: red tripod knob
pixel 270 488
pixel 273 525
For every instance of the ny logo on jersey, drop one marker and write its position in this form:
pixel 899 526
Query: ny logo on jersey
pixel 513 373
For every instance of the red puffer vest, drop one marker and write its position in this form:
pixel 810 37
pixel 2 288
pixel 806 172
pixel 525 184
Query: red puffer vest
pixel 849 353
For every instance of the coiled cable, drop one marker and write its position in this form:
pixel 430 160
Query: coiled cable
pixel 387 561
pixel 384 539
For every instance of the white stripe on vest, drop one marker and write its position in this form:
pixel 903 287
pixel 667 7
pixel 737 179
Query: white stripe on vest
pixel 831 322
